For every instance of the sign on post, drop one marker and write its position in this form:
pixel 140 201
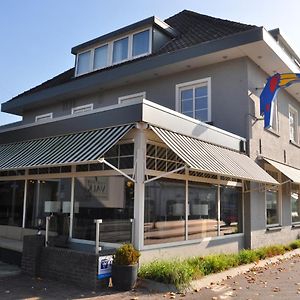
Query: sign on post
pixel 104 266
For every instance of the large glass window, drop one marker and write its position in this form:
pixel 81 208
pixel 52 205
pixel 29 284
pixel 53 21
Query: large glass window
pixel 120 50
pixel 164 211
pixel 272 206
pixel 46 197
pixel 140 44
pixel 100 57
pixel 203 216
pixel 194 99
pixel 295 205
pixel 83 62
pixel 107 198
pixel 231 210
pixel 11 202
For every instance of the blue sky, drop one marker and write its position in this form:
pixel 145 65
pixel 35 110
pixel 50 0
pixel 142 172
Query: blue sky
pixel 37 36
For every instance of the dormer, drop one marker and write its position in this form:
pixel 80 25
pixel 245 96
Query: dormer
pixel 128 43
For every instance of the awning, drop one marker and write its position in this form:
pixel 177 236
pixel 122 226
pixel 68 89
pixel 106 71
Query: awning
pixel 209 158
pixel 290 172
pixel 82 147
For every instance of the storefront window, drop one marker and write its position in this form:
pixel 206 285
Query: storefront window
pixel 164 211
pixel 295 205
pixel 231 210
pixel 11 202
pixel 107 198
pixel 203 217
pixel 49 197
pixel 272 206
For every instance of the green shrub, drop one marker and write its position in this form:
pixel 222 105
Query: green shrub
pixel 126 255
pixel 217 263
pixel 181 272
pixel 176 272
pixel 295 244
pixel 247 257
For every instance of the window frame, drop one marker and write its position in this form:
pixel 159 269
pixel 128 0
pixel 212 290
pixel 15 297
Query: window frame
pixel 194 84
pixel 279 197
pixel 110 47
pixel 292 109
pixel 296 191
pixel 89 107
pixel 44 117
pixel 90 61
pixel 131 98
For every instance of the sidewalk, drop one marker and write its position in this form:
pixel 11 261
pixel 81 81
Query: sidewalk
pixel 275 278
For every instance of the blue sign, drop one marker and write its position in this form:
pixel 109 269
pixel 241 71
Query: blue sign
pixel 104 266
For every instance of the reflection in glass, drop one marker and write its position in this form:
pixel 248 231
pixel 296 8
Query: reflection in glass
pixel 100 57
pixel 107 198
pixel 11 202
pixel 120 50
pixel 83 62
pixel 272 207
pixel 231 210
pixel 164 211
pixel 295 204
pixel 140 44
pixel 203 217
pixel 47 197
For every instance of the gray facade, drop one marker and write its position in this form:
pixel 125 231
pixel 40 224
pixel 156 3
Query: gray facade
pixel 236 67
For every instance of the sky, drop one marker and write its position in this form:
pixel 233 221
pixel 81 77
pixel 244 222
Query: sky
pixel 37 35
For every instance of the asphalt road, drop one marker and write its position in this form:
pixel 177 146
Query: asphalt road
pixel 280 280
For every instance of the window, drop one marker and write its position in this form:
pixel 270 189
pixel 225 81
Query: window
pixel 193 99
pixel 293 124
pixel 274 121
pixel 140 43
pixel 295 205
pixel 116 51
pixel 132 98
pixel 45 197
pixel 120 50
pixel 272 207
pixel 11 202
pixel 44 117
pixel 83 108
pixel 164 218
pixel 83 63
pixel 101 57
pixel 108 198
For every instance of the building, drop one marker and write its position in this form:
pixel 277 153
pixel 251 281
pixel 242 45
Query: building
pixel 189 171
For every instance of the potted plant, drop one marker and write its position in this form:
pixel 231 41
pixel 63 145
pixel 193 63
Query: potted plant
pixel 125 267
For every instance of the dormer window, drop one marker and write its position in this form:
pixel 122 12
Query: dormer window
pixel 141 43
pixel 83 62
pixel 115 51
pixel 120 50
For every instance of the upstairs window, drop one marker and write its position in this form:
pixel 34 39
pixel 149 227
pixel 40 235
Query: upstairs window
pixel 132 98
pixel 83 62
pixel 82 108
pixel 293 124
pixel 140 43
pixel 101 57
pixel 113 52
pixel 120 50
pixel 193 99
pixel 44 118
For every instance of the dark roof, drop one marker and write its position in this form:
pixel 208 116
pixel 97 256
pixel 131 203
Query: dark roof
pixel 192 29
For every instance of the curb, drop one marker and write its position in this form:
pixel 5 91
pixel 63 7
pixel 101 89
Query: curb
pixel 159 287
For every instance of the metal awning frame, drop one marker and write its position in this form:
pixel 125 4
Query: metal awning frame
pixel 103 161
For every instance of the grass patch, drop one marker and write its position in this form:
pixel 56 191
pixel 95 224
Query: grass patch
pixel 180 272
